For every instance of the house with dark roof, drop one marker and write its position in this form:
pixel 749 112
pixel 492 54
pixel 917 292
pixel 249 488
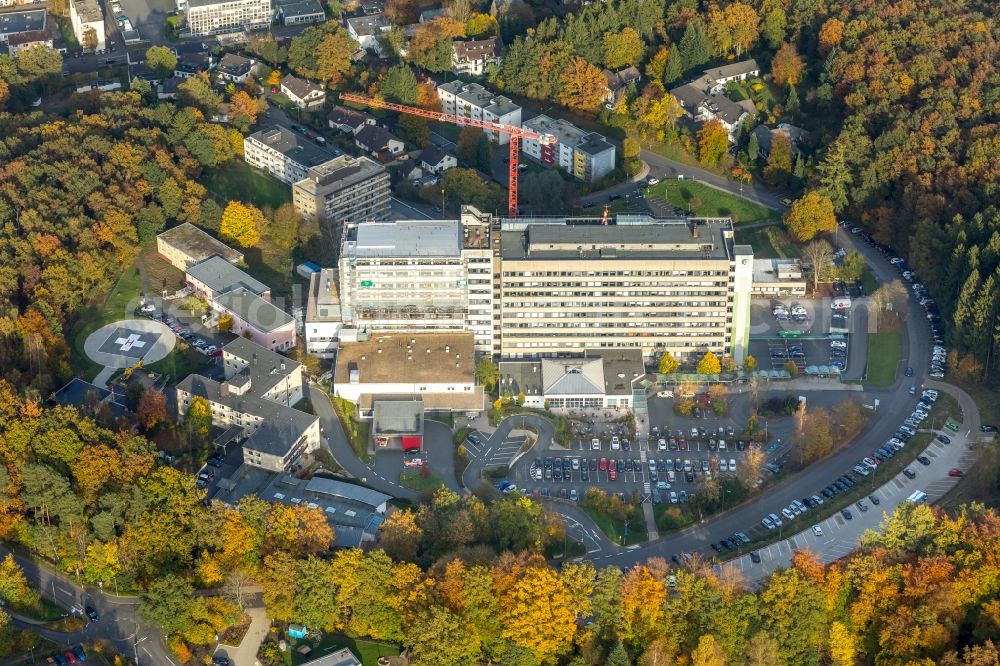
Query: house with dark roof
pixel 379 142
pixel 21 41
pixel 797 136
pixel 475 55
pixel 168 89
pixel 90 399
pixel 235 68
pixel 303 93
pixel 408 170
pixel 436 161
pixel 619 82
pixel 215 276
pixel 349 121
pixel 705 99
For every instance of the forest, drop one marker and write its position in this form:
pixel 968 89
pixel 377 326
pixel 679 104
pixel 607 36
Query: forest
pixel 463 581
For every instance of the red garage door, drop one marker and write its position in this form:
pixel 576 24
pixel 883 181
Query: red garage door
pixel 412 443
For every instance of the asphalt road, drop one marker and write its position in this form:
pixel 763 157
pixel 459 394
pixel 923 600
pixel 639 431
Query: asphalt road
pixel 340 448
pixel 119 621
pixel 663 168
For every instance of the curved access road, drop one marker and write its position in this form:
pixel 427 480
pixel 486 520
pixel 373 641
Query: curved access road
pixel 119 622
pixel 340 448
pixel 840 537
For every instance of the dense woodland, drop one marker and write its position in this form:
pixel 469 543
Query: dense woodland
pixel 462 580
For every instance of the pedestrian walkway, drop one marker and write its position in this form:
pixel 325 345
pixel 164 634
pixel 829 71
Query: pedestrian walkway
pixel 245 654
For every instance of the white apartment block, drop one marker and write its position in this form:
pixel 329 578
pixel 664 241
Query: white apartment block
pixel 471 100
pixel 286 155
pixel 211 17
pixel 419 275
pixel 679 286
pixel 86 15
pixel 587 155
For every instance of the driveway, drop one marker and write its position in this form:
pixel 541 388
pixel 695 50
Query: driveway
pixel 340 448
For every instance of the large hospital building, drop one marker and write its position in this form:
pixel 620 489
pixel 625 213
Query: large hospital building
pixel 537 287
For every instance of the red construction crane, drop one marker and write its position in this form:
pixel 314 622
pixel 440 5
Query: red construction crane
pixel 516 134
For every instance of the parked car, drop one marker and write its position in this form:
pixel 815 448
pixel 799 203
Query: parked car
pixel 817 530
pixel 91 613
pixel 954 471
pixel 909 473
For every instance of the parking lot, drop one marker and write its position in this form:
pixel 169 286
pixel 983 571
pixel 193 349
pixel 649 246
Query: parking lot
pixel 659 472
pixel 802 331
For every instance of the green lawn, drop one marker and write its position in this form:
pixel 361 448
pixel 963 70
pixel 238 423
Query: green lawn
pixel 412 479
pixel 120 304
pixel 869 281
pixel 614 529
pixel 712 202
pixel 367 651
pixel 884 351
pixel 242 182
pixel 769 242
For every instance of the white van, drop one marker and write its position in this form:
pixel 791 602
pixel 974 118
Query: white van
pixel 918 497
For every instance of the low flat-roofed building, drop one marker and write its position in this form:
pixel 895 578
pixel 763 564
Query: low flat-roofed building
pixel 323 317
pixel 294 12
pixel 342 190
pixel 339 658
pixel 420 364
pixel 354 512
pixel 398 423
pixel 215 276
pixel 284 154
pixel 264 323
pixel 186 245
pixel 595 380
pixel 90 399
pixel 778 277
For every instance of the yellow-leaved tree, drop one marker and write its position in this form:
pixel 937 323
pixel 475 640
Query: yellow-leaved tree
pixel 241 224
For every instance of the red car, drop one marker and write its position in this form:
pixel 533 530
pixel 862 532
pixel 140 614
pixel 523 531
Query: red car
pixel 956 472
pixel 215 353
pixel 603 465
pixel 274 91
pixel 612 473
pixel 682 445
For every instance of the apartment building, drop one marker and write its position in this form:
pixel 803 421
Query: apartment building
pixel 342 190
pixel 286 155
pixel 587 155
pixel 419 275
pixel 471 100
pixel 569 285
pixel 212 17
pixel 86 16
pixel 254 405
pixel 323 317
